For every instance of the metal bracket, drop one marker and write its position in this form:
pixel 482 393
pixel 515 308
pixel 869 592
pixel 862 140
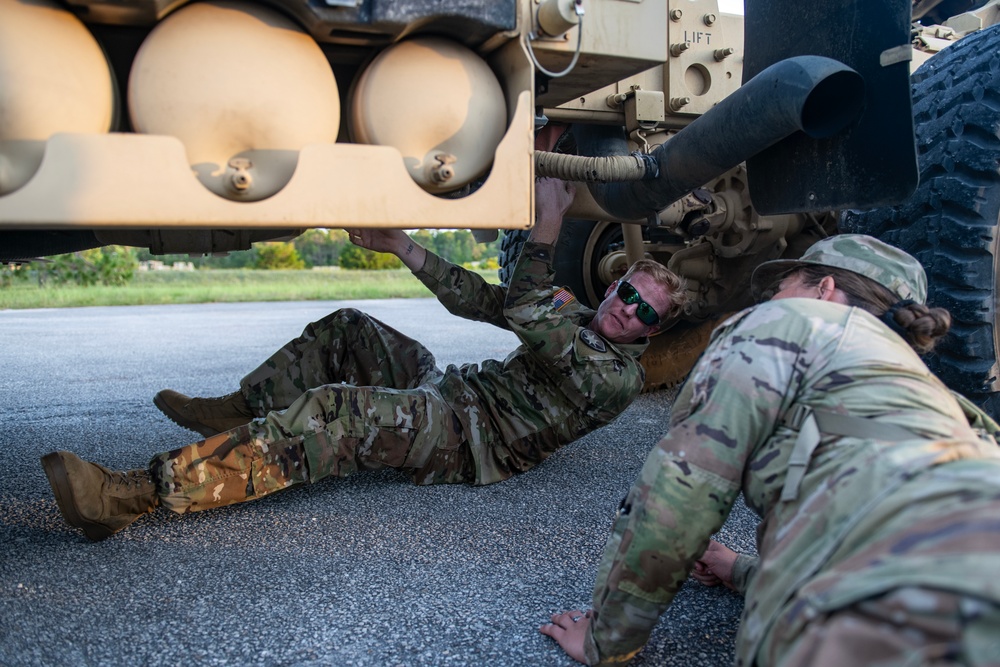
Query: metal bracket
pixel 644 109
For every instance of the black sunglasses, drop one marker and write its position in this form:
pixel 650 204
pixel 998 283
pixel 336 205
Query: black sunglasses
pixel 645 312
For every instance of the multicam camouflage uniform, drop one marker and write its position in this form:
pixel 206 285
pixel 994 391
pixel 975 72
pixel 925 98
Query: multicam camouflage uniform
pixel 879 548
pixel 351 393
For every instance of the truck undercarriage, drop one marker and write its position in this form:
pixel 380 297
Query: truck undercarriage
pixel 203 127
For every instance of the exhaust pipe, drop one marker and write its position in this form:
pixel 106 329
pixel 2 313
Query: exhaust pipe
pixel 811 94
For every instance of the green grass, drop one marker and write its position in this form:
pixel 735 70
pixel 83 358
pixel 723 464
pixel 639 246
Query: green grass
pixel 229 285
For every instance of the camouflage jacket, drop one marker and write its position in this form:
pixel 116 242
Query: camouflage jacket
pixel 562 382
pixel 734 427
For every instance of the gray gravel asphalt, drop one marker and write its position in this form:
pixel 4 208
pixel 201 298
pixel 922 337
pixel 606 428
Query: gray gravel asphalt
pixel 368 570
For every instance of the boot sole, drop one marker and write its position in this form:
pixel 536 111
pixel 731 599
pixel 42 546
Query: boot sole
pixel 176 418
pixel 58 477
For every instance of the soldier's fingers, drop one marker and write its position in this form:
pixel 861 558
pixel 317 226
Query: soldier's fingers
pixel 567 618
pixel 709 580
pixel 552 630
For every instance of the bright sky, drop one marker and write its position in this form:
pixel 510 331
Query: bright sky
pixel 731 6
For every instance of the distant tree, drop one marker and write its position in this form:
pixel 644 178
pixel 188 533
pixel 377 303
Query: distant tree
pixel 424 237
pixel 321 247
pixel 115 264
pixel 464 245
pixel 356 257
pixel 489 250
pixel 236 259
pixel 443 245
pixel 491 263
pixel 277 255
pixel 456 246
pixel 108 265
pixel 11 273
pixel 384 260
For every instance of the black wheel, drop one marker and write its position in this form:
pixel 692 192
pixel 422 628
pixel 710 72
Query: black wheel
pixel 510 250
pixel 950 222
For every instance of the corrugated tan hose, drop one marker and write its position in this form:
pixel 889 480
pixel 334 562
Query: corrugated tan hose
pixel 609 169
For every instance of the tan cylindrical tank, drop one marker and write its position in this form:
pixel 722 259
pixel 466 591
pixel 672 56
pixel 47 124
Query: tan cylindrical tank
pixel 243 88
pixel 438 103
pixel 53 78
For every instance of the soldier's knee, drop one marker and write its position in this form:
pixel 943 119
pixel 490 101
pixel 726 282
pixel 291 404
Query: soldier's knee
pixel 349 316
pixel 338 324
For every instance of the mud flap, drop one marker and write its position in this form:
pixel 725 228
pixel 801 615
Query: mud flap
pixel 871 163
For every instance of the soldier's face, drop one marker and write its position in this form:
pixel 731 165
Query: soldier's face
pixel 618 322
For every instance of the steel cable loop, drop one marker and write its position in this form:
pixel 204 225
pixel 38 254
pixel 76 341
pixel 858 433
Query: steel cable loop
pixel 576 54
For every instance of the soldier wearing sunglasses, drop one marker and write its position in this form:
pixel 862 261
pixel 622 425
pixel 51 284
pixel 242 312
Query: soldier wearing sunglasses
pixel 352 393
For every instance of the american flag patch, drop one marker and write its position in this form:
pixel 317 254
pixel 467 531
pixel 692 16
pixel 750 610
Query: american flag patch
pixel 561 298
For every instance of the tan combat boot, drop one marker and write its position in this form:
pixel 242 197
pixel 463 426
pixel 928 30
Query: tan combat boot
pixel 207 416
pixel 99 501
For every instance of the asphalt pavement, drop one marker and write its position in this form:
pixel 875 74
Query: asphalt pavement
pixel 368 570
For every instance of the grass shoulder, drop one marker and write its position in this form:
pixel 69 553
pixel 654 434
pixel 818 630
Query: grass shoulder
pixel 224 285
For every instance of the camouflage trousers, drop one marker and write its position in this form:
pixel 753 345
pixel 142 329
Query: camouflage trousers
pixel 350 393
pixel 906 626
pixel 346 347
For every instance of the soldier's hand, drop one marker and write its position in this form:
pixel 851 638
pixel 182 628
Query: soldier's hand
pixel 378 240
pixel 570 630
pixel 396 241
pixel 715 566
pixel 552 199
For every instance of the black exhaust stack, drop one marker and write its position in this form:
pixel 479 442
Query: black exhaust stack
pixel 810 94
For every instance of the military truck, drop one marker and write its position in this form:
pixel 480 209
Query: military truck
pixel 710 141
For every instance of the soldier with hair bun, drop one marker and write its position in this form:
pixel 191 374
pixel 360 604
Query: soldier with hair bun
pixel 878 488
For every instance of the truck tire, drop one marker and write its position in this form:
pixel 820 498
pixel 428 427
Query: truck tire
pixel 582 244
pixel 950 224
pixel 510 249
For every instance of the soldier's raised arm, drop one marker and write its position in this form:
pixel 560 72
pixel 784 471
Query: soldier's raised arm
pixel 552 200
pixel 394 241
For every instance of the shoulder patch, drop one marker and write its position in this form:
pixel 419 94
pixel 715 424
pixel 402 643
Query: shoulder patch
pixel 562 298
pixel 592 340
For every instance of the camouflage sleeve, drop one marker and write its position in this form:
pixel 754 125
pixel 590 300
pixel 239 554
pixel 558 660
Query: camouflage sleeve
pixel 662 527
pixel 984 425
pixel 533 314
pixel 734 398
pixel 463 292
pixel 743 571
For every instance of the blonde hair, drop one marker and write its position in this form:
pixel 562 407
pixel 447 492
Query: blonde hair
pixel 673 284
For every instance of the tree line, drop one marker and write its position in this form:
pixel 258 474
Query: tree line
pixel 331 247
pixel 116 265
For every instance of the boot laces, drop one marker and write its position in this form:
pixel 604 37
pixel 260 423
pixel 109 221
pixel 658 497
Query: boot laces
pixel 209 408
pixel 130 478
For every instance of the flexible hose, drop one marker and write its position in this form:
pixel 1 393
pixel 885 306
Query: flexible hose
pixel 608 169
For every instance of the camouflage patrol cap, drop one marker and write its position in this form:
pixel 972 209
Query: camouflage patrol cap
pixel 890 267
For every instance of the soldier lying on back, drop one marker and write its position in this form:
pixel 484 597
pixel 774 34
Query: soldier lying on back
pixel 352 393
pixel 879 489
